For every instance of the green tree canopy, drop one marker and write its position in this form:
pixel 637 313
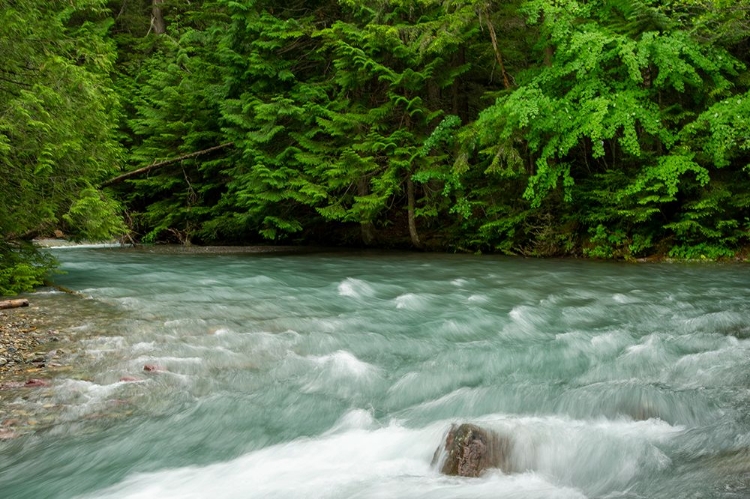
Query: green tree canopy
pixel 58 117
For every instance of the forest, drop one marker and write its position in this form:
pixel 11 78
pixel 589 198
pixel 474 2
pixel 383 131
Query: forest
pixel 615 129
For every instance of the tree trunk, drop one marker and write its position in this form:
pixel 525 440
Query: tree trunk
pixel 367 227
pixel 433 94
pixel 549 49
pixel 14 303
pixel 412 217
pixel 459 98
pixel 498 54
pixel 157 17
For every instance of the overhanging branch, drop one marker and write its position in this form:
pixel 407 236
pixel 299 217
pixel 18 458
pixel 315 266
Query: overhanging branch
pixel 146 169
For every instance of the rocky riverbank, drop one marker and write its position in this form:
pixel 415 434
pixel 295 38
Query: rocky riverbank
pixel 30 355
pixel 28 342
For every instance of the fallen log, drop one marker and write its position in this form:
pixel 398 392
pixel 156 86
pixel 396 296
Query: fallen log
pixel 14 303
pixel 154 166
pixel 64 289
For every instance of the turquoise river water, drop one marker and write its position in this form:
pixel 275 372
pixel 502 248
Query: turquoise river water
pixel 336 375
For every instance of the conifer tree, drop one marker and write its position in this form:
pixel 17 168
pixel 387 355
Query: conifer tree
pixel 612 131
pixel 57 130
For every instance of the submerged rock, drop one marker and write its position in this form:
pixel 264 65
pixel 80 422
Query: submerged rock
pixel 7 434
pixel 469 450
pixel 35 382
pixel 153 368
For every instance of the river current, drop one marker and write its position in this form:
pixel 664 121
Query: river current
pixel 337 375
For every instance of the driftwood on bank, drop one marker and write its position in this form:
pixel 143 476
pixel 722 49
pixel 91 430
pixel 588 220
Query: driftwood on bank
pixel 14 303
pixel 146 169
pixel 64 289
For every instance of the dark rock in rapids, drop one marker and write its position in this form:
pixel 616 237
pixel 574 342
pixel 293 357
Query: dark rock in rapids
pixel 153 368
pixel 35 382
pixel 468 450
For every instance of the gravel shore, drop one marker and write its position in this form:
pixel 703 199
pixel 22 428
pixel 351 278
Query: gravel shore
pixel 27 343
pixel 30 356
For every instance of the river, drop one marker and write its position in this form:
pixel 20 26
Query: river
pixel 337 374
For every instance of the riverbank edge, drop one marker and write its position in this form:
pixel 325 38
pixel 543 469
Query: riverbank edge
pixel 742 256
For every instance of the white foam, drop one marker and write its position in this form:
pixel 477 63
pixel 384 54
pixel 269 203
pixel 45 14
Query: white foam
pixel 81 397
pixel 478 299
pixel 520 313
pixel 404 382
pixel 170 360
pixel 144 346
pixel 524 320
pixel 380 463
pixel 411 301
pixel 255 280
pixel 622 298
pixel 355 288
pixel 74 246
pixel 183 322
pixel 339 374
pixel 599 455
pixel 130 303
pixel 343 363
pixel 116 342
pixel 651 348
pixel 358 458
pixel 356 419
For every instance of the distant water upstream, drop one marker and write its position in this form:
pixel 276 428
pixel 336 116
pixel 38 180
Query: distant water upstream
pixel 336 375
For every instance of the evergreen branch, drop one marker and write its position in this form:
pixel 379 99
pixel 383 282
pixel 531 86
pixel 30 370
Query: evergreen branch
pixel 20 83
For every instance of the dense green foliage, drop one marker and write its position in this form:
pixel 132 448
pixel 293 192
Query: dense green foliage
pixel 58 115
pixel 607 128
pixel 638 127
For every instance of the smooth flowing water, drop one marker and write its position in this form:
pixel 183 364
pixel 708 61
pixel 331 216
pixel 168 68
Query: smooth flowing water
pixel 337 375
